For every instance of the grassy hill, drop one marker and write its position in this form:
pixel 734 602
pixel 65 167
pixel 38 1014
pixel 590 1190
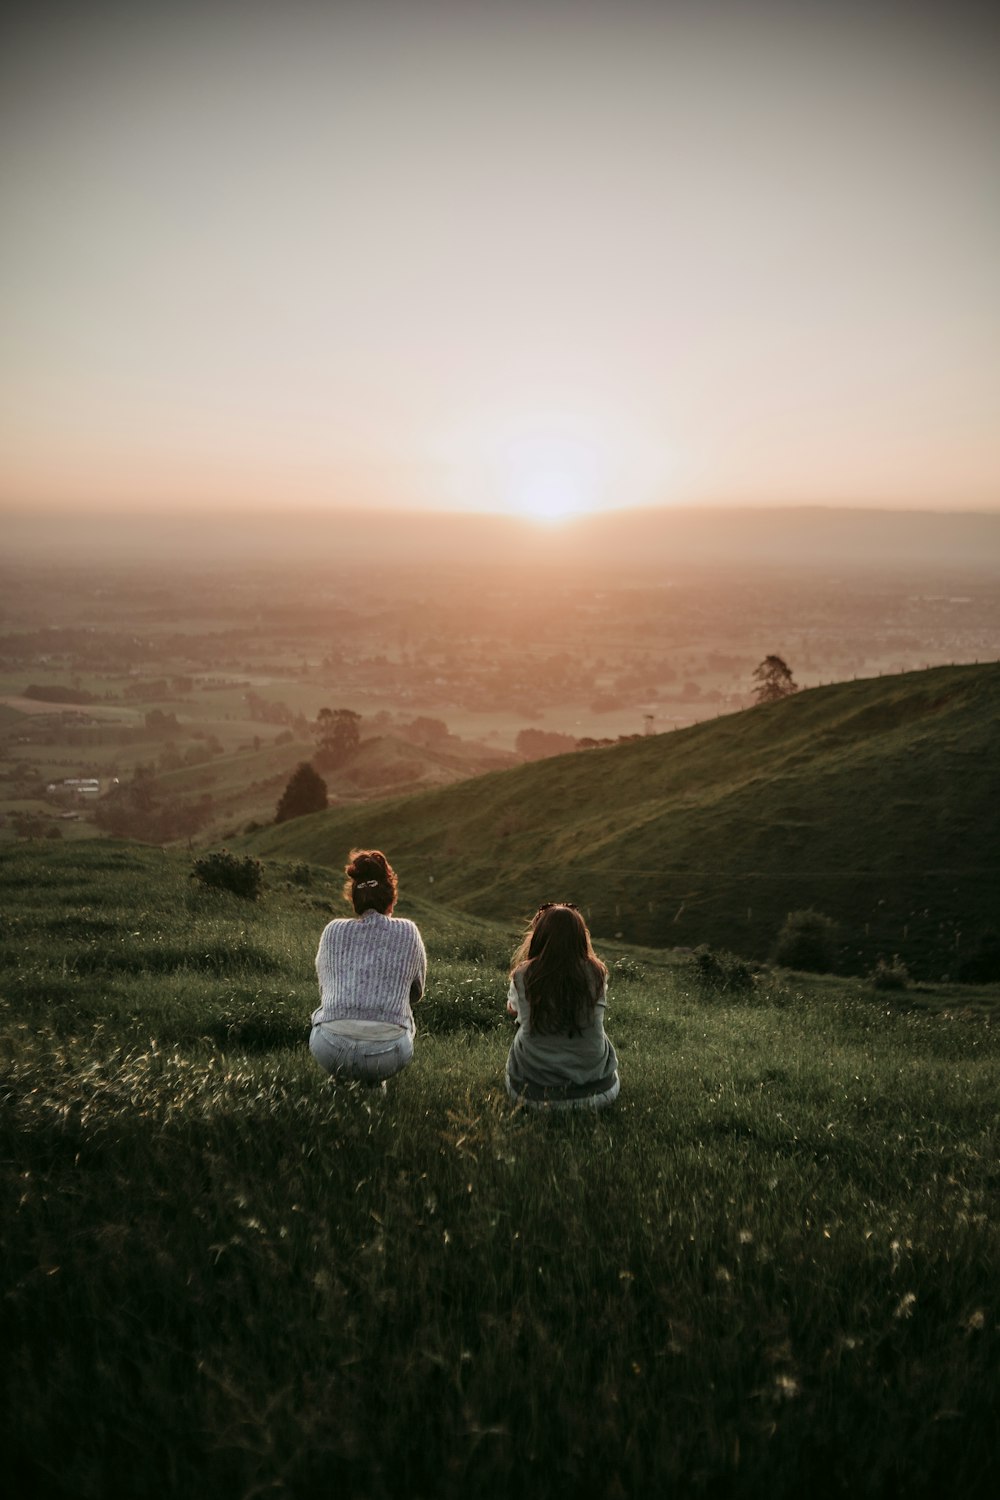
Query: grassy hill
pixel 769 1271
pixel 246 784
pixel 873 801
pixel 386 763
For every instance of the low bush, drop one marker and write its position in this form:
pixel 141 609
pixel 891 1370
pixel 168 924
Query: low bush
pixel 890 976
pixel 721 973
pixel 222 871
pixel 807 941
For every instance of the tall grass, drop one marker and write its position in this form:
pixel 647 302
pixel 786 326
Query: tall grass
pixel 771 1269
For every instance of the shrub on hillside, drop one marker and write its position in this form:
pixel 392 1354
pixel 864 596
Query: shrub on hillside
pixel 886 976
pixel 720 973
pixel 222 871
pixel 807 941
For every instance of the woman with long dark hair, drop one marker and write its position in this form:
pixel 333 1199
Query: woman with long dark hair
pixel 560 1057
pixel 371 969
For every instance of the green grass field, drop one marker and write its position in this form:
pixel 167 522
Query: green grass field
pixel 771 1270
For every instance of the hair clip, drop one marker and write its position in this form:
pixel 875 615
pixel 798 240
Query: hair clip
pixel 363 885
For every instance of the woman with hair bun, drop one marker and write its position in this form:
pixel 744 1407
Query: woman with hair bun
pixel 560 1057
pixel 371 969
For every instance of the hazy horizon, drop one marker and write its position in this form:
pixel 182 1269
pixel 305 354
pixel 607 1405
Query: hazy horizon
pixel 646 539
pixel 529 260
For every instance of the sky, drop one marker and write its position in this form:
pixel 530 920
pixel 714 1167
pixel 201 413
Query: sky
pixel 532 259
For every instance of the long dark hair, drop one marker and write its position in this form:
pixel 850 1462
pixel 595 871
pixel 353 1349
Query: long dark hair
pixel 563 975
pixel 371 883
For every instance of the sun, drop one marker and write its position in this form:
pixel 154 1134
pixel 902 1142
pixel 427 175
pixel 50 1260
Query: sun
pixel 550 479
pixel 550 469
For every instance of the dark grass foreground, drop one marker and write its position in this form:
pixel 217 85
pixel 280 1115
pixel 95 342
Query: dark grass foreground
pixel 771 1271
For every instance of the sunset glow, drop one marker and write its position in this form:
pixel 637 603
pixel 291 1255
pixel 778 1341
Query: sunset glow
pixel 750 250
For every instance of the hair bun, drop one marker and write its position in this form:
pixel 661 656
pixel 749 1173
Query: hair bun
pixel 371 881
pixel 367 867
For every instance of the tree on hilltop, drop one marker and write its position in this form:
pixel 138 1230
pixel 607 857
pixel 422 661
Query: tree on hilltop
pixel 774 680
pixel 305 793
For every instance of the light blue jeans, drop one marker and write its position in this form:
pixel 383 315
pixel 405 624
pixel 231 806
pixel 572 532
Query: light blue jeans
pixel 368 1060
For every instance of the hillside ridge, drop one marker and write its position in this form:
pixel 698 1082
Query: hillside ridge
pixel 853 798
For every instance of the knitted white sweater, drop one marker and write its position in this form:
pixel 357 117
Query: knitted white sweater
pixel 366 966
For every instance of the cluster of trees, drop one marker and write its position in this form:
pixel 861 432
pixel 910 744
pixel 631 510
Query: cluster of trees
pixel 338 735
pixel 141 809
pixel 53 693
pixel 425 731
pixel 264 711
